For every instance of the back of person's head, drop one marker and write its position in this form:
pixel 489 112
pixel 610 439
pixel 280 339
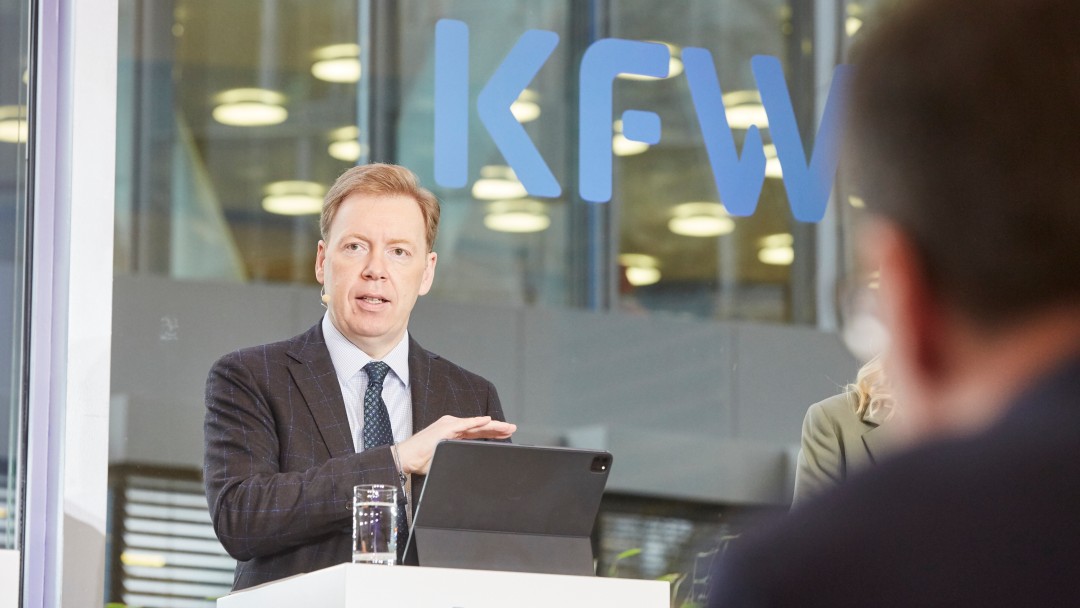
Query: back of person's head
pixel 964 133
pixel 871 389
pixel 381 179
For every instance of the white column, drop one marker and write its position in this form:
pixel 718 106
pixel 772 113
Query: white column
pixel 9 578
pixel 71 303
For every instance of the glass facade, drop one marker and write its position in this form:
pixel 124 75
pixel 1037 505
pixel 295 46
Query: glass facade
pixel 235 116
pixel 14 205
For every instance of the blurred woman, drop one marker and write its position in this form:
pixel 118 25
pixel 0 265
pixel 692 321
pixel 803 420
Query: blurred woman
pixel 842 434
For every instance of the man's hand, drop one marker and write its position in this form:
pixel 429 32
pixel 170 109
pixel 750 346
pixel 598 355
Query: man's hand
pixel 415 452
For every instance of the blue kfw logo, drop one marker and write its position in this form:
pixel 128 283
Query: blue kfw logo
pixel 739 178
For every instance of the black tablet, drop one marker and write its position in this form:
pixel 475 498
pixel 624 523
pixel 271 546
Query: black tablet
pixel 500 506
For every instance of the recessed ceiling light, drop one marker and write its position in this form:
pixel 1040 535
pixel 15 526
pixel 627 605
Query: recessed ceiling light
pixel 294 197
pixel 641 269
pixel 525 108
pixel 345 144
pixel 776 256
pixel 250 107
pixel 622 146
pixel 337 63
pixel 640 277
pixel 497 182
pixel 701 219
pixel 675 64
pixel 772 162
pixel 852 25
pixel 13 126
pixel 777 249
pixel 744 108
pixel 518 216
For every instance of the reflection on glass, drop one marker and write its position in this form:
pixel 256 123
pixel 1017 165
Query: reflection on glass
pixel 236 200
pixel 14 205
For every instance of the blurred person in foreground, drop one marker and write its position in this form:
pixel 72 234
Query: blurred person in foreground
pixel 843 434
pixel 287 424
pixel 963 123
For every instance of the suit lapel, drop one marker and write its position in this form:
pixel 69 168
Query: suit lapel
pixel 875 446
pixel 425 398
pixel 313 372
pixel 426 402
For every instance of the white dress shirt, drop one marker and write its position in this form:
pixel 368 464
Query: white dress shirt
pixel 349 362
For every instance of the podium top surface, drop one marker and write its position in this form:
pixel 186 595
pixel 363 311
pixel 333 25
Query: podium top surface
pixel 362 585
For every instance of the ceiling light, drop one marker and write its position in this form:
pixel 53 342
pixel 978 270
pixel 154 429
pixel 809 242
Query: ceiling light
pixel 497 182
pixel 250 107
pixel 622 146
pixel 640 277
pixel 854 21
pixel 781 239
pixel 525 109
pixel 852 26
pixel 857 202
pixel 700 219
pixel 348 150
pixel 744 108
pixel 294 197
pixel 772 162
pixel 518 216
pixel 337 63
pixel 675 64
pixel 13 127
pixel 641 269
pixel 345 144
pixel 776 249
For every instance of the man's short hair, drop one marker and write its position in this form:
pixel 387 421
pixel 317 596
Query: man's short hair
pixel 965 132
pixel 381 179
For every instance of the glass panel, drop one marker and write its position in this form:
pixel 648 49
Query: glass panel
pixel 234 117
pixel 682 249
pixel 14 77
pixel 498 244
pixel 603 324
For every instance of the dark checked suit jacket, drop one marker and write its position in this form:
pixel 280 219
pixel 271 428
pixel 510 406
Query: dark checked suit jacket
pixel 280 464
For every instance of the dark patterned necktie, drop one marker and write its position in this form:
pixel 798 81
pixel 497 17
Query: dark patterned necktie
pixel 377 430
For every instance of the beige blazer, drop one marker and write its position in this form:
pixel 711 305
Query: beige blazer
pixel 835 443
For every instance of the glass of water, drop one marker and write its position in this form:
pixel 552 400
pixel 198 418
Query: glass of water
pixel 375 524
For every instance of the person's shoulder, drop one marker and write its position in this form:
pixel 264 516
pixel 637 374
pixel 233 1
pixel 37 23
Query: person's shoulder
pixel 273 351
pixel 833 412
pixel 440 366
pixel 836 405
pixel 780 561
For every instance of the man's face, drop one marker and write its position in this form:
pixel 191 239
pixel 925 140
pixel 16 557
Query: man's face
pixel 373 265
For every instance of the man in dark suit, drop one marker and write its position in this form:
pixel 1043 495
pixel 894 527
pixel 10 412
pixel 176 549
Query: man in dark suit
pixel 292 426
pixel 963 120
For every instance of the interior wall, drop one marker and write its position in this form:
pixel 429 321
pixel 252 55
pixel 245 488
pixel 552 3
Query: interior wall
pixel 689 409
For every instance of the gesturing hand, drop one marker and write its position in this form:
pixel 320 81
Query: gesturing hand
pixel 415 452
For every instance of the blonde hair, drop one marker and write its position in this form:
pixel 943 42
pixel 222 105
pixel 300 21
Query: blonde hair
pixel 871 388
pixel 381 179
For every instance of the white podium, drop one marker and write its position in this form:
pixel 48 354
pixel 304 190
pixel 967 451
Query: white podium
pixel 363 585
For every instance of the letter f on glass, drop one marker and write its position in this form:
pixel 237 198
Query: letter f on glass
pixel 603 61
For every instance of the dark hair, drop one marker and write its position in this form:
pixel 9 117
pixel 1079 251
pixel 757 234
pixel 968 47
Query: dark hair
pixel 381 179
pixel 964 131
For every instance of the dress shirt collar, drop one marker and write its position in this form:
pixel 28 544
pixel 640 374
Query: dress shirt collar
pixel 348 359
